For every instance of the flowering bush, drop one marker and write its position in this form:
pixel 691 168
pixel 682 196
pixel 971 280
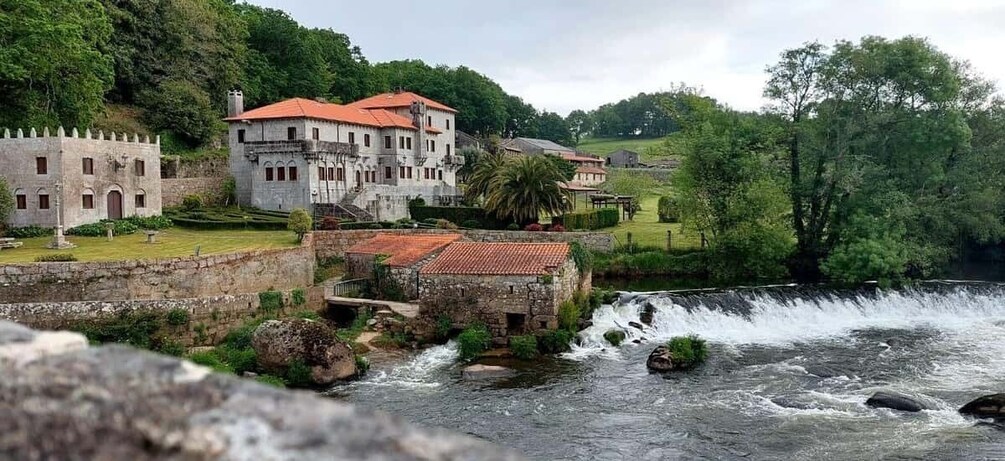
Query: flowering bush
pixel 533 227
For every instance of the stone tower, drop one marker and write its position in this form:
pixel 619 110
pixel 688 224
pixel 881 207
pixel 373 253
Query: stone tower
pixel 235 103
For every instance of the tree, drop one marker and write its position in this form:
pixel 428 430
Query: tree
pixel 579 123
pixel 6 202
pixel 53 68
pixel 299 222
pixel 552 127
pixel 524 188
pixel 567 168
pixel 184 109
pixel 480 181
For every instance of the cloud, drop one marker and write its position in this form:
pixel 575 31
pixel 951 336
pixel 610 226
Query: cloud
pixel 562 55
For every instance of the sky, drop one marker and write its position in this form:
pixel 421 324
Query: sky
pixel 561 55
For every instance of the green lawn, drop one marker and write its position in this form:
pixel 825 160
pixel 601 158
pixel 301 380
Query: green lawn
pixel 604 146
pixel 173 242
pixel 646 229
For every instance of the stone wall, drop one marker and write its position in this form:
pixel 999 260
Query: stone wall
pixel 173 191
pixel 210 318
pixel 189 277
pixel 335 243
pixel 175 167
pixel 487 299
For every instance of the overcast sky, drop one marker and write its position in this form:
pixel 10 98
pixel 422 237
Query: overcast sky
pixel 561 55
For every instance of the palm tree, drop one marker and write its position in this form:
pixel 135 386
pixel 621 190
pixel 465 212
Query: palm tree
pixel 480 180
pixel 525 187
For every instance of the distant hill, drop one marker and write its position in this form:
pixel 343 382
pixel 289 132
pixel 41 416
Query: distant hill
pixel 648 148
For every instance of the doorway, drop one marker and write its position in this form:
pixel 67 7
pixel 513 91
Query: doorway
pixel 115 205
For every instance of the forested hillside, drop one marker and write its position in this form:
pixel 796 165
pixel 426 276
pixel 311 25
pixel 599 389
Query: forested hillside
pixel 168 64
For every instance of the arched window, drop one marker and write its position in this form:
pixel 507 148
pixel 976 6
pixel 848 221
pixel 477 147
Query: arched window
pixel 87 199
pixel 140 199
pixel 20 199
pixel 268 171
pixel 43 199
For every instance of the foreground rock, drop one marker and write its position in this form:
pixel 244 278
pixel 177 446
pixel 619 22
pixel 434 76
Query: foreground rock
pixel 278 343
pixel 883 399
pixel 478 371
pixel 660 360
pixel 989 406
pixel 114 402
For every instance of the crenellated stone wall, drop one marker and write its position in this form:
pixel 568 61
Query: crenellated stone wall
pixel 189 277
pixel 335 243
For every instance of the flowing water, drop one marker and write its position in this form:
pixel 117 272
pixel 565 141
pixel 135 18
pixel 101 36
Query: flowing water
pixel 789 371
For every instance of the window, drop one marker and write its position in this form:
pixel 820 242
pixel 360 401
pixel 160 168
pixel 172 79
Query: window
pixel 291 133
pixel 401 142
pixel 409 172
pixel 388 172
pixel 268 173
pixel 339 174
pixel 141 168
pixel 293 173
pixel 425 173
pixel 401 172
pixel 43 201
pixel 280 173
pixel 321 173
pixel 141 201
pixel 87 201
pixel 240 136
pixel 448 149
pixel 22 201
pixel 352 138
pixel 440 174
pixel 429 120
pixel 41 165
pixel 316 134
pixel 387 142
pixel 448 123
pixel 88 165
pixel 432 145
pixel 408 143
pixel 331 173
pixel 366 140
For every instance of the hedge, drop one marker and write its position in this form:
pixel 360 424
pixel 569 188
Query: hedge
pixel 591 220
pixel 458 214
pixel 229 218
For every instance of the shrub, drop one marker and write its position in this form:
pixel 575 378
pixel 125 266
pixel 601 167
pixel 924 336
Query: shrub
pixel 556 228
pixel 240 337
pixel 443 327
pixel 270 301
pixel 457 214
pixel 582 257
pixel 307 315
pixel 191 202
pixel 28 232
pixel 274 381
pixel 473 341
pixel 533 227
pixel 298 374
pixel 330 223
pixel 513 227
pixel 417 202
pixel 444 224
pixel 98 229
pixel 470 224
pixel 211 360
pixel 55 257
pixel 299 222
pixel 173 348
pixel 388 340
pixel 133 328
pixel 555 341
pixel 568 316
pixel 668 210
pixel 593 219
pixel 523 347
pixel 299 297
pixel 177 317
pixel 687 351
pixel 157 222
pixel 239 360
pixel 362 364
pixel 229 190
pixel 6 202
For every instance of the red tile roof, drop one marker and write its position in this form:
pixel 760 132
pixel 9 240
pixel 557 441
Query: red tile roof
pixel 480 258
pixel 403 250
pixel 590 170
pixel 299 107
pixel 572 157
pixel 395 100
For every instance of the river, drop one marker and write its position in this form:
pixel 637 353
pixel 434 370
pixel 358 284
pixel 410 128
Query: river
pixel 789 371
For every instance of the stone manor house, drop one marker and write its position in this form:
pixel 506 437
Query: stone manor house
pixel 363 160
pixel 88 177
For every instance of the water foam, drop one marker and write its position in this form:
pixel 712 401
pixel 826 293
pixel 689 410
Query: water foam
pixel 418 372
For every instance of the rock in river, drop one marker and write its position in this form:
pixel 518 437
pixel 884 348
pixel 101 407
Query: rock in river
pixel 278 343
pixel 648 311
pixel 479 371
pixel 615 337
pixel 989 406
pixel 636 325
pixel 883 399
pixel 660 360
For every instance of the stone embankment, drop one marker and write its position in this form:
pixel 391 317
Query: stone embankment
pixel 60 399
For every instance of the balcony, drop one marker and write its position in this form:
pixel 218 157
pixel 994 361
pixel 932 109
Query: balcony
pixel 454 160
pixel 309 148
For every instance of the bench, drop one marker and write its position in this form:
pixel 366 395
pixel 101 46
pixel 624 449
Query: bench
pixel 8 242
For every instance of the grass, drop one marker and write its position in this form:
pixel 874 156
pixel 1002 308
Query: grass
pixel 604 146
pixel 171 243
pixel 648 231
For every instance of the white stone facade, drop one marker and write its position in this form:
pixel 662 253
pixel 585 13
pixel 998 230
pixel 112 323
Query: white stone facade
pixel 377 169
pixel 100 177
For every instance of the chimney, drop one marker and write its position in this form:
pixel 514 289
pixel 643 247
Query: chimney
pixel 235 103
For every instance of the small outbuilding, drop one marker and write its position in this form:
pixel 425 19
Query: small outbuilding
pixel 512 288
pixel 623 158
pixel 401 254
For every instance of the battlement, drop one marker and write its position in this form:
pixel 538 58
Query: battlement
pixel 74 133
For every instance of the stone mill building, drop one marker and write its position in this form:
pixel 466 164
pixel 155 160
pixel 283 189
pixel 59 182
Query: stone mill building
pixel 90 177
pixel 363 160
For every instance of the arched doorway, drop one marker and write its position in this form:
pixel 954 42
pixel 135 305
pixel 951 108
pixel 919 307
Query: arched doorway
pixel 115 205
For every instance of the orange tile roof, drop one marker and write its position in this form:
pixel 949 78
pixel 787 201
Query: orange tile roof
pixel 299 107
pixel 403 250
pixel 395 100
pixel 572 157
pixel 480 258
pixel 590 170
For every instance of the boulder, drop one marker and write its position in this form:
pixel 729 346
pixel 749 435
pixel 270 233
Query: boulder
pixel 989 406
pixel 660 360
pixel 278 343
pixel 883 399
pixel 648 311
pixel 636 325
pixel 615 337
pixel 478 371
